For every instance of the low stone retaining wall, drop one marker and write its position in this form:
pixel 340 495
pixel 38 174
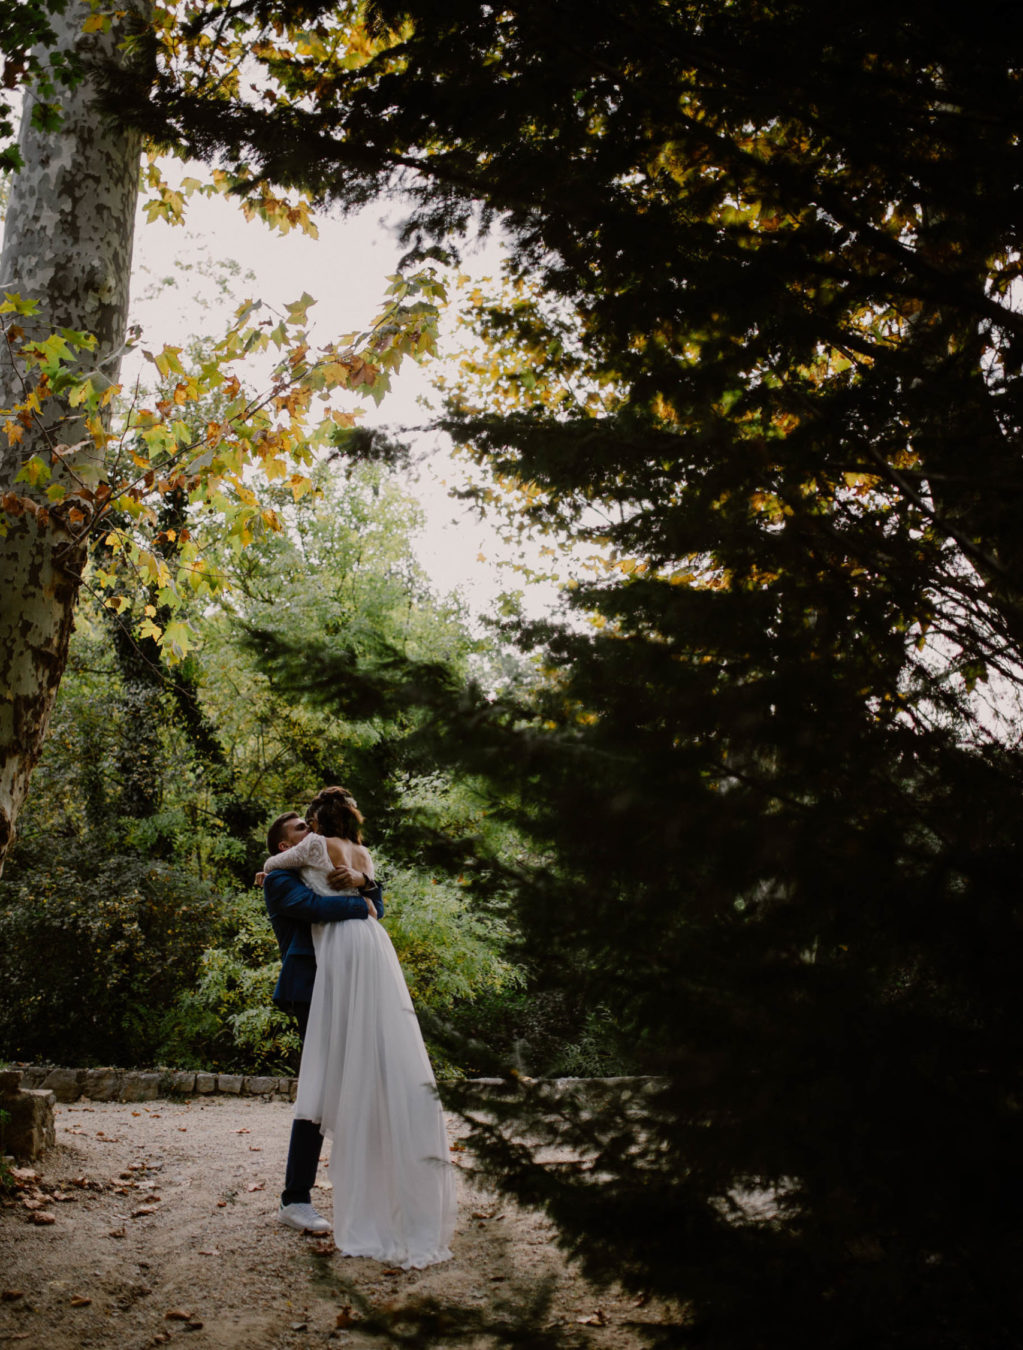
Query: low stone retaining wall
pixel 29 1092
pixel 27 1123
pixel 131 1085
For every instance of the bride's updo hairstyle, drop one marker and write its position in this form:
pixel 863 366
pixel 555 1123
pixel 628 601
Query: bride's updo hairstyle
pixel 337 815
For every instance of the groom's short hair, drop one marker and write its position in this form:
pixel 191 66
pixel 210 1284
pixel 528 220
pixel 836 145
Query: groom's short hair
pixel 275 834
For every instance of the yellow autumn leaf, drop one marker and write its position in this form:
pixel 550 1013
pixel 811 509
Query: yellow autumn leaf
pixel 297 309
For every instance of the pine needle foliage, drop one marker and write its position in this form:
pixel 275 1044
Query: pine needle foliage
pixel 770 328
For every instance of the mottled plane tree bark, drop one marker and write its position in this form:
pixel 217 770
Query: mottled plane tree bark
pixel 67 246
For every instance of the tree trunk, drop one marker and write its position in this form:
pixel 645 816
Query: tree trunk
pixel 67 245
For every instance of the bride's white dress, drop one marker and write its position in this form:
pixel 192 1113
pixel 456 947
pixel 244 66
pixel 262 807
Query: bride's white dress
pixel 366 1079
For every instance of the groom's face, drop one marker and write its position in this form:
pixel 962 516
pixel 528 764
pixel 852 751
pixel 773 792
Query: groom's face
pixel 294 831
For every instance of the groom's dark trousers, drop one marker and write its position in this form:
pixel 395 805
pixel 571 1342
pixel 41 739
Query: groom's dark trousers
pixel 306 1140
pixel 292 907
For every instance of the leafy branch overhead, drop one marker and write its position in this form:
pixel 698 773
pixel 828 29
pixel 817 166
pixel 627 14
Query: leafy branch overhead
pixel 749 261
pixel 29 52
pixel 137 453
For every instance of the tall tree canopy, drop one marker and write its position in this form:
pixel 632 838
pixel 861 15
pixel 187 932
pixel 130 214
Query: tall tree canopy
pixel 762 343
pixel 777 232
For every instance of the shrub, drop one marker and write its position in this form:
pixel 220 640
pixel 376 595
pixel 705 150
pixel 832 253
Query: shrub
pixel 227 1020
pixel 93 956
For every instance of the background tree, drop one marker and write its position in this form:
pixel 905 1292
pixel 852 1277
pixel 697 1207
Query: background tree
pixel 68 471
pixel 771 364
pixel 159 777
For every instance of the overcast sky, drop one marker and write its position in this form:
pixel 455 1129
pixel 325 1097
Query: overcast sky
pixel 346 270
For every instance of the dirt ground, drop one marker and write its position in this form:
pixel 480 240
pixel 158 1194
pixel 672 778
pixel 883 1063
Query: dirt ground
pixel 156 1224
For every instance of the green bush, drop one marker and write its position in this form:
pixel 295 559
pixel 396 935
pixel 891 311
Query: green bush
pixel 93 957
pixel 450 956
pixel 120 960
pixel 227 1020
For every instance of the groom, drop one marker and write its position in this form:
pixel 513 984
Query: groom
pixel 292 907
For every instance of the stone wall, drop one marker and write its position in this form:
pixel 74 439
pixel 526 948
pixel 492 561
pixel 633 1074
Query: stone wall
pixel 28 1093
pixel 130 1085
pixel 28 1128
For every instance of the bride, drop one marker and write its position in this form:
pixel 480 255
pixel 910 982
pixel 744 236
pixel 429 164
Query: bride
pixel 365 1076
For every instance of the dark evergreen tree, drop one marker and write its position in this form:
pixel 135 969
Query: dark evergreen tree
pixel 775 348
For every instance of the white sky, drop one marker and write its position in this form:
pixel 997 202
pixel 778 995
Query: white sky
pixel 346 270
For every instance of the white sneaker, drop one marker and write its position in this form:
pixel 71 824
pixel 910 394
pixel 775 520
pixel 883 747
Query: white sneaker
pixel 304 1218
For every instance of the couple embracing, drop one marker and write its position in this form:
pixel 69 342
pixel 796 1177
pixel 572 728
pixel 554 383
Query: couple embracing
pixel 365 1080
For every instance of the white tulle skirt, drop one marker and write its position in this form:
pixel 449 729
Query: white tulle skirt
pixel 366 1079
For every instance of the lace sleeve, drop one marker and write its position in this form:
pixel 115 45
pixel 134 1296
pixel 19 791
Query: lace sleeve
pixel 311 852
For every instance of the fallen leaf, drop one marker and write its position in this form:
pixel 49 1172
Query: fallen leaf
pixel 182 1129
pixel 221 1204
pixel 143 1210
pixel 300 1326
pixel 243 1130
pixel 136 1113
pixel 117 1233
pixel 24 1174
pixel 80 1301
pixel 596 1319
pixel 42 1217
pixel 176 1315
pixel 9 1295
pixel 193 1325
pixel 344 1317
pixel 255 1148
pixel 209 1251
pixel 256 1186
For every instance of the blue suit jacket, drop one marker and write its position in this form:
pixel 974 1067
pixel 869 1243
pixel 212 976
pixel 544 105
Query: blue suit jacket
pixel 292 907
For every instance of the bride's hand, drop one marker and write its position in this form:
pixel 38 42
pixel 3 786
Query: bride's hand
pixel 258 881
pixel 343 878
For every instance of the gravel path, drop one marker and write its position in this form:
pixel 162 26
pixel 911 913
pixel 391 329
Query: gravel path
pixel 155 1224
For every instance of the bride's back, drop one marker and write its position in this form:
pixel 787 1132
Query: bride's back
pixel 347 853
